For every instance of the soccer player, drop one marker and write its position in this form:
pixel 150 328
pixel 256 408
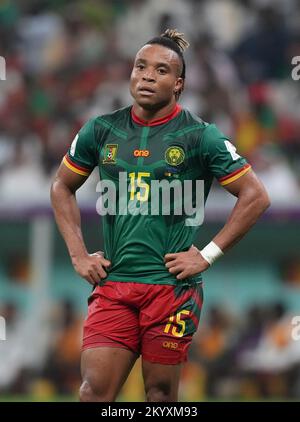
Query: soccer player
pixel 147 292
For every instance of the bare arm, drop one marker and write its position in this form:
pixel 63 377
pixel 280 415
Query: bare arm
pixel 252 201
pixel 67 216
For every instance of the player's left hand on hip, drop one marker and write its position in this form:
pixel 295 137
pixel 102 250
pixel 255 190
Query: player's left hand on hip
pixel 186 264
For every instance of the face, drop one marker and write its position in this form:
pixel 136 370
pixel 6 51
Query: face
pixel 155 76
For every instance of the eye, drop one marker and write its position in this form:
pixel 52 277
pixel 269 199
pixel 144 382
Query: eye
pixel 140 66
pixel 162 71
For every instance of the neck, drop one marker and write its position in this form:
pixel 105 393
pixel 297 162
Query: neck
pixel 149 115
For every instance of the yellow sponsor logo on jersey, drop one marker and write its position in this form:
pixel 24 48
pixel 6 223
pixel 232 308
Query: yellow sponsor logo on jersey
pixel 110 153
pixel 174 156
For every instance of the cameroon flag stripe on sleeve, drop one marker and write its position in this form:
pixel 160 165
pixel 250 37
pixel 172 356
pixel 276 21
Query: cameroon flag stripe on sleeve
pixel 235 175
pixel 75 167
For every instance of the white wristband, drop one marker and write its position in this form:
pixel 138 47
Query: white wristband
pixel 211 253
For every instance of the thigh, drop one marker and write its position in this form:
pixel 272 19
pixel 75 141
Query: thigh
pixel 161 381
pixel 111 322
pixel 168 323
pixel 104 371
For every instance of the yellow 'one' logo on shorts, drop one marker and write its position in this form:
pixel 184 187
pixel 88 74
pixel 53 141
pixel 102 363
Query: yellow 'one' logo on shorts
pixel 170 345
pixel 174 156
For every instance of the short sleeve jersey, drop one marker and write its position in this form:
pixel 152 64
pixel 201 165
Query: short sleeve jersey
pixel 135 159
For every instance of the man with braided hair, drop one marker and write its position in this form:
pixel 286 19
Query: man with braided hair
pixel 148 289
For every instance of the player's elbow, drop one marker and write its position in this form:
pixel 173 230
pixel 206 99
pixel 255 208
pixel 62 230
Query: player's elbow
pixel 261 201
pixel 58 191
pixel 54 189
pixel 265 200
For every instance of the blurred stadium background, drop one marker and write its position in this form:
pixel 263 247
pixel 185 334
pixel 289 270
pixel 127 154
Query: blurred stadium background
pixel 70 60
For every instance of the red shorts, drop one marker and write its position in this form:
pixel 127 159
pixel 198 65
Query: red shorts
pixel 156 321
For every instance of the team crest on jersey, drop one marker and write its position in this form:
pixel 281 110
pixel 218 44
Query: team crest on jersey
pixel 110 153
pixel 174 156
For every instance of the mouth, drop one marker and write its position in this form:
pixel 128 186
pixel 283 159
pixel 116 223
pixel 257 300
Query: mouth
pixel 143 90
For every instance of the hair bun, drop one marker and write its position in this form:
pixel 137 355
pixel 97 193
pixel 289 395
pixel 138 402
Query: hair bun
pixel 177 37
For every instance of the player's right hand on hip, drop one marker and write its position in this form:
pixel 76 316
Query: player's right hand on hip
pixel 91 267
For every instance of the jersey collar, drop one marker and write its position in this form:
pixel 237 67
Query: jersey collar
pixel 155 122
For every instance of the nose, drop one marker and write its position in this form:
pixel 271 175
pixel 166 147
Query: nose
pixel 148 76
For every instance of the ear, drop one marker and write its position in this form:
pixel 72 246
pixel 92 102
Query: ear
pixel 179 87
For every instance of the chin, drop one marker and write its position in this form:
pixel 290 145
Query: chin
pixel 150 104
pixel 147 104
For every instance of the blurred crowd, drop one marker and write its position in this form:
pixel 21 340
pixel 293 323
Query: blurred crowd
pixel 70 60
pixel 250 357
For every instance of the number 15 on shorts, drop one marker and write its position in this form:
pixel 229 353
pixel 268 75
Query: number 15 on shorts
pixel 175 322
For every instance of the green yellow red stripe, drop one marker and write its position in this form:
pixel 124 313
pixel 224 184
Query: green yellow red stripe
pixel 235 175
pixel 75 167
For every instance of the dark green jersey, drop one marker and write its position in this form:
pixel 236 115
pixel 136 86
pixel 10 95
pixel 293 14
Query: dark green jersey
pixel 178 148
